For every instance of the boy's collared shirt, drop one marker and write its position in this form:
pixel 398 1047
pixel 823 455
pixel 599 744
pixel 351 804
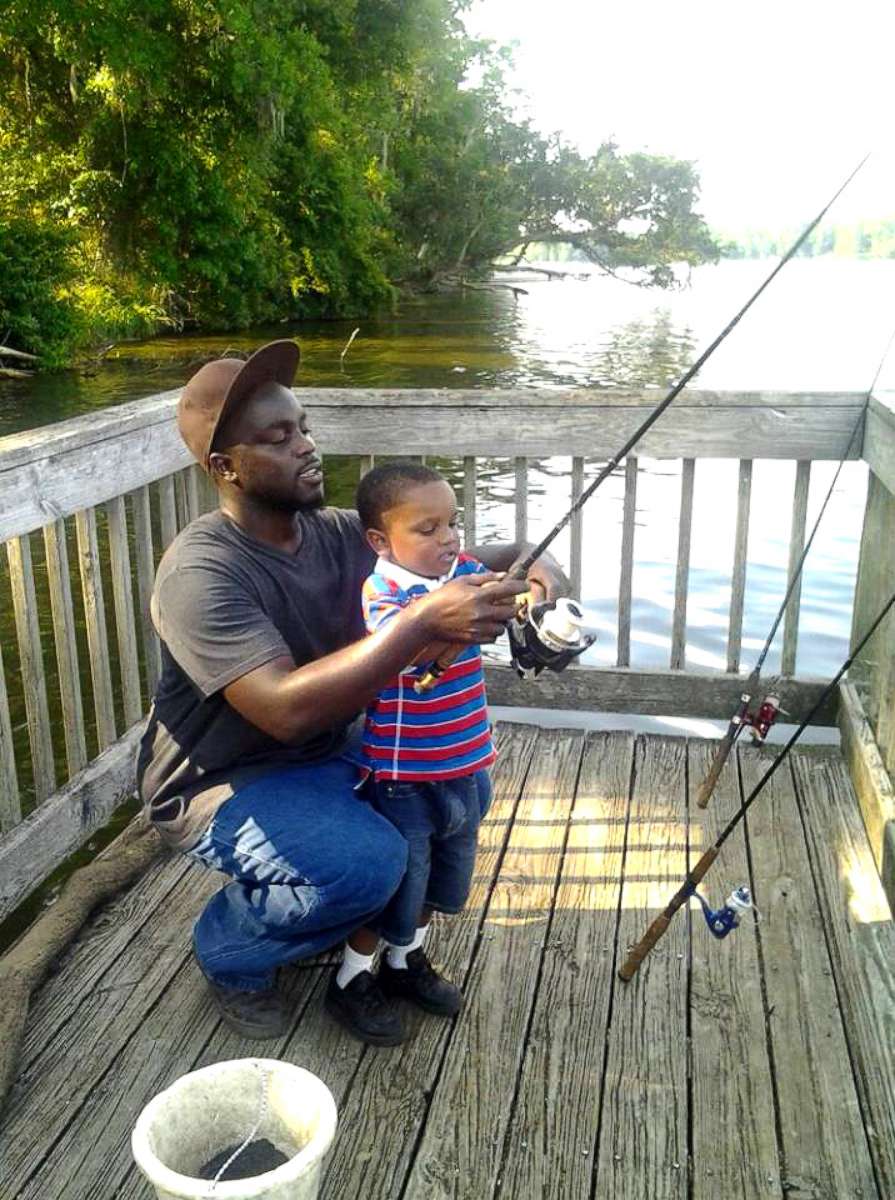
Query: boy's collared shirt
pixel 443 733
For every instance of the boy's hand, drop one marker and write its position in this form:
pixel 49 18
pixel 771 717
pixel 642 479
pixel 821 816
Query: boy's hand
pixel 473 608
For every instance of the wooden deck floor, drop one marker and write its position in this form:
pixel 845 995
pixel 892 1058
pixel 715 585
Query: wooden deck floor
pixel 762 1066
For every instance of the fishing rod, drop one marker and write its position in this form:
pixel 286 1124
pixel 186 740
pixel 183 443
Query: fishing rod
pixel 570 624
pixel 722 922
pixel 760 721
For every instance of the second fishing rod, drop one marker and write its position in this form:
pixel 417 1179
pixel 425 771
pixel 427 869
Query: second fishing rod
pixel 564 637
pixel 760 721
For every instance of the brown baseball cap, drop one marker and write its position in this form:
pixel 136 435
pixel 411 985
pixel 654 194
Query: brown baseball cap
pixel 220 386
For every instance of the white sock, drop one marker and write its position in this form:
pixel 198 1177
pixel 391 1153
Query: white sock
pixel 397 955
pixel 352 964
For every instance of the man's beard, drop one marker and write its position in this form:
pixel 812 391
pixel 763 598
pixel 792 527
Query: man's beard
pixel 291 505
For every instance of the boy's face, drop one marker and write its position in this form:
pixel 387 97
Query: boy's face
pixel 421 531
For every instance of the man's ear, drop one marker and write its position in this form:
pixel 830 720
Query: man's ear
pixel 378 542
pixel 221 468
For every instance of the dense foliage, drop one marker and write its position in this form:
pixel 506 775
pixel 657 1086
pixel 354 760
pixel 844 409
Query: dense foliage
pixel 223 162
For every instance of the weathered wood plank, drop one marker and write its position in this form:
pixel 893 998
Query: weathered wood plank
pixel 874 670
pixel 56 828
pixel 629 516
pixel 520 468
pixel 857 921
pixel 167 510
pixel 642 1149
pixel 876 795
pixel 92 1154
pixel 103 945
pixel 594 430
pixel 824 1146
pixel 51 473
pixel 34 684
pixel 730 1067
pixel 682 572
pixel 738 580
pixel 622 690
pixel 393 1090
pixel 878 449
pixel 54 472
pixel 59 580
pixel 469 498
pixel 95 617
pixel 123 598
pixel 550 1144
pixel 796 546
pixel 191 479
pixel 182 499
pixel 576 526
pixel 10 806
pixel 459 1152
pixel 55 1084
pixel 145 556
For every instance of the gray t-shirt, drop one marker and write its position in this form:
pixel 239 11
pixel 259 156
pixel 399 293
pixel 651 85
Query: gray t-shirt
pixel 223 604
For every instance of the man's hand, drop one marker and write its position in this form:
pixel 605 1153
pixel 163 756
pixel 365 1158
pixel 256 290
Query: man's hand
pixel 473 608
pixel 546 579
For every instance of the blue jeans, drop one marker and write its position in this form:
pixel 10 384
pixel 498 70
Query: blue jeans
pixel 311 862
pixel 440 822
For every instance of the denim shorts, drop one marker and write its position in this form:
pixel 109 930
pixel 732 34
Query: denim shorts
pixel 439 821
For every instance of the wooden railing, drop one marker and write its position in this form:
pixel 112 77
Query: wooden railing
pixel 108 492
pixel 867 711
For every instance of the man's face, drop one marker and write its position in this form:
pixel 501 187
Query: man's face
pixel 266 450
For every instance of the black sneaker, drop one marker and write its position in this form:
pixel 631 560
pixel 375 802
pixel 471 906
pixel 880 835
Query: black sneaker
pixel 421 984
pixel 362 1009
pixel 258 1015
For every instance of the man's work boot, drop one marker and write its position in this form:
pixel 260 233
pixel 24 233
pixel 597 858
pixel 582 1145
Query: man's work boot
pixel 420 983
pixel 259 1015
pixel 362 1009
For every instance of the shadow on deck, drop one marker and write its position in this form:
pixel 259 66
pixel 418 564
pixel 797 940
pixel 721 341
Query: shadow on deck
pixel 761 1066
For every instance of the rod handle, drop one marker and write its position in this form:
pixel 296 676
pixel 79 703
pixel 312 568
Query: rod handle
pixel 708 784
pixel 638 953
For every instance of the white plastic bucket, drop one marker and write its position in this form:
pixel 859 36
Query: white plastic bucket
pixel 208 1111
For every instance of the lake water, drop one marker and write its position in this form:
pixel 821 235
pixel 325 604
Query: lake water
pixel 823 325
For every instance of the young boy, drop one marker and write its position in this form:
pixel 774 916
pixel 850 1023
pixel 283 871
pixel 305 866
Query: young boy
pixel 428 754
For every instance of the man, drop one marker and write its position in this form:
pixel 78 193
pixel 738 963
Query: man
pixel 246 763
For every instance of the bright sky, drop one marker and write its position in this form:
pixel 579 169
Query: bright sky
pixel 776 100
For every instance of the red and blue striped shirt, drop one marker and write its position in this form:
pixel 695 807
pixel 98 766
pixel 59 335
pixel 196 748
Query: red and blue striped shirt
pixel 443 733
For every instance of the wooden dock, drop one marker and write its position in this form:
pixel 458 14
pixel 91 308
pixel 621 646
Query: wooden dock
pixel 761 1066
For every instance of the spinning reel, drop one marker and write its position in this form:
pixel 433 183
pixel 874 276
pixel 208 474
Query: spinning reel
pixel 759 723
pixel 549 634
pixel 724 920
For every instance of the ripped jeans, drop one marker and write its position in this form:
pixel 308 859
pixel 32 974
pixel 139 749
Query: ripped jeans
pixel 440 822
pixel 310 861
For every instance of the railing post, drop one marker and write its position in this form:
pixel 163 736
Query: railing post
pixel 874 671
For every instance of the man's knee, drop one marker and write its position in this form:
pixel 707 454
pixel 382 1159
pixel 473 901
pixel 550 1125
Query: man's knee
pixel 376 871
